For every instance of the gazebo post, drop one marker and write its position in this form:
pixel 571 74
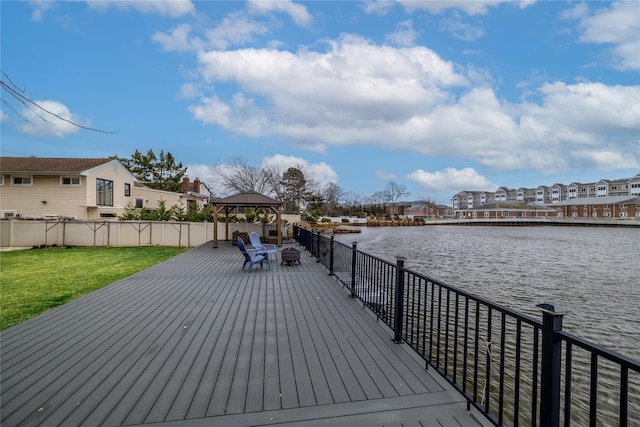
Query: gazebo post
pixel 215 226
pixel 279 225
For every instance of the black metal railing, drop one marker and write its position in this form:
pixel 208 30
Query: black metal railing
pixel 513 368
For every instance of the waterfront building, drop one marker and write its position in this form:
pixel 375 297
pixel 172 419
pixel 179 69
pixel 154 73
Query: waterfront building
pixel 634 185
pixel 556 195
pixel 527 195
pixel 509 209
pixel 558 192
pixel 620 207
pixel 577 190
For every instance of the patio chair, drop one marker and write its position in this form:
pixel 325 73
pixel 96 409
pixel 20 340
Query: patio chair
pixel 263 248
pixel 251 257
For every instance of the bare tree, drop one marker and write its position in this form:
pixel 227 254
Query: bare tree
pixel 392 192
pixel 331 193
pixel 295 189
pixel 241 177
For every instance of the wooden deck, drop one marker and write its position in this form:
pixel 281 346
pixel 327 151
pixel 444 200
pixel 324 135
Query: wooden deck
pixel 194 341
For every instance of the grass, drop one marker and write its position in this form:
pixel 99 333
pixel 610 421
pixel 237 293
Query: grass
pixel 34 281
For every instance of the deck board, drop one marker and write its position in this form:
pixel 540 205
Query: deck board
pixel 196 341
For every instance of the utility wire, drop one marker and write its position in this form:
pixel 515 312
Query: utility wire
pixel 16 93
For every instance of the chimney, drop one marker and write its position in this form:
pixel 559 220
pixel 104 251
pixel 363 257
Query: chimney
pixel 185 184
pixel 196 185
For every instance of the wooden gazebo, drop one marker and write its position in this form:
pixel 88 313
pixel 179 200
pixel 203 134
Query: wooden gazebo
pixel 244 200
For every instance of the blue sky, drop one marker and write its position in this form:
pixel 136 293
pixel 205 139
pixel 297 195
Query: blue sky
pixel 439 96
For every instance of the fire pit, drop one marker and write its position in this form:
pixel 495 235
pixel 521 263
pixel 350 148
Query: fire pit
pixel 290 255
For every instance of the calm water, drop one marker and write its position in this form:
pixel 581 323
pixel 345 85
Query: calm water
pixel 593 271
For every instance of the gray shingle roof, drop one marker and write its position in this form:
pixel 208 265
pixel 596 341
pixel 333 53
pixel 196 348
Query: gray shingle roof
pixel 247 199
pixel 48 165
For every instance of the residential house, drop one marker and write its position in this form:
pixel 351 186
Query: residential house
pixel 74 188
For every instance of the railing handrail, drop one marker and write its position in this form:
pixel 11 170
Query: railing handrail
pixel 442 348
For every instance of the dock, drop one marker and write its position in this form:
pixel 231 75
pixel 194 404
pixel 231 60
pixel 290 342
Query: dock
pixel 196 341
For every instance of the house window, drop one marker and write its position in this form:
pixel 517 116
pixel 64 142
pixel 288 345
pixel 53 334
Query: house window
pixel 139 202
pixel 127 189
pixel 73 181
pixel 1 180
pixel 21 180
pixel 104 192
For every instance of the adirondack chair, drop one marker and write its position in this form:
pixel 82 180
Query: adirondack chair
pixel 251 257
pixel 263 248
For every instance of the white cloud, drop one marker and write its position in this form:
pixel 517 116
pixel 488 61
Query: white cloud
pixel 40 7
pixel 617 26
pixel 460 29
pixel 235 29
pixel 377 7
pixel 178 39
pixel 296 11
pixel 170 8
pixel 452 180
pixel 405 35
pixel 41 123
pixel 607 160
pixel 385 176
pixel 476 7
pixel 358 93
pixel 321 173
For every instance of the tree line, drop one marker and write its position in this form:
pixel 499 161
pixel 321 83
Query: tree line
pixel 294 187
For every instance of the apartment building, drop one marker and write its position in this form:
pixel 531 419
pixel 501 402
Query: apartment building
pixel 605 198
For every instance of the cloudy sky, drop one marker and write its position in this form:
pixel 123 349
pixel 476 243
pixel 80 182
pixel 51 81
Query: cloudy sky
pixel 439 96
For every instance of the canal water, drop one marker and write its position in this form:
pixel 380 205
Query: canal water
pixel 593 271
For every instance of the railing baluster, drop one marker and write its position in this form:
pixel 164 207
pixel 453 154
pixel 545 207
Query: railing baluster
pixel 475 353
pixel 624 395
pixel 567 384
pixel 593 391
pixel 465 350
pixel 488 353
pixel 446 335
pixel 516 385
pixel 455 341
pixel 431 322
pixel 503 334
pixel 439 327
pixel 534 383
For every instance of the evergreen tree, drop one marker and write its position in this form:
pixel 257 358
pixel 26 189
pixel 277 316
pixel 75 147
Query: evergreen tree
pixel 158 172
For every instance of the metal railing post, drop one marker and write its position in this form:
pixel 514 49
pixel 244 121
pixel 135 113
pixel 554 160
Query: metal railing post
pixel 331 256
pixel 398 309
pixel 552 315
pixel 354 251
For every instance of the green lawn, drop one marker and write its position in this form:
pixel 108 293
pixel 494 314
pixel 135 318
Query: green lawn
pixel 36 280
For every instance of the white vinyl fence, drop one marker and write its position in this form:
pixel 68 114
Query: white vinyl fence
pixel 21 233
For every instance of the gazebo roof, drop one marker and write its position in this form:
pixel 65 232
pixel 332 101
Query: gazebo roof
pixel 250 198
